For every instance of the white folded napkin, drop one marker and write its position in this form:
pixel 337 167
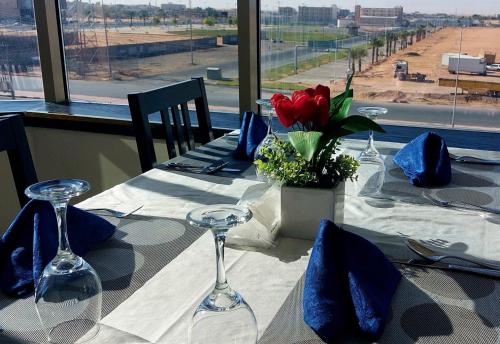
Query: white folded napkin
pixel 261 231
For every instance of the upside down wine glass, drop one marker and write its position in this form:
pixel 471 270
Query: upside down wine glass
pixel 223 316
pixel 372 166
pixel 268 140
pixel 371 153
pixel 68 294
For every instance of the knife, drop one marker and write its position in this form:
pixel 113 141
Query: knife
pixel 445 266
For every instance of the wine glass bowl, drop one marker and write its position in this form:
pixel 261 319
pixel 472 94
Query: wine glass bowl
pixel 223 316
pixel 370 153
pixel 68 294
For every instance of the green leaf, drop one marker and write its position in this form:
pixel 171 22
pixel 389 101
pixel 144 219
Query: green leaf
pixel 344 109
pixel 356 123
pixel 336 101
pixel 305 142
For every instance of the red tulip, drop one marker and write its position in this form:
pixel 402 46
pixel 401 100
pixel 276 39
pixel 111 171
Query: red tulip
pixel 322 112
pixel 310 91
pixel 304 107
pixel 275 98
pixel 285 111
pixel 323 91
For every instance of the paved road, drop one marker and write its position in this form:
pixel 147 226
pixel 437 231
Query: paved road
pixel 227 97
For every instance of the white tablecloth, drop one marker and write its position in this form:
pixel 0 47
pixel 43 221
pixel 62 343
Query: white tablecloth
pixel 159 311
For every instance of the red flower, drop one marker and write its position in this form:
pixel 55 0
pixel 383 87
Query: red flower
pixel 275 98
pixel 284 110
pixel 304 107
pixel 323 91
pixel 323 109
pixel 309 107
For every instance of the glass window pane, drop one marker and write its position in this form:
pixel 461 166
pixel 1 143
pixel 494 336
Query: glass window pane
pixel 399 58
pixel 140 45
pixel 20 74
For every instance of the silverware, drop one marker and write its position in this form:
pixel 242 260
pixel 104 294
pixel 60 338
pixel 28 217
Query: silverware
pixel 452 267
pixel 473 160
pixel 460 204
pixel 200 169
pixel 434 256
pixel 115 213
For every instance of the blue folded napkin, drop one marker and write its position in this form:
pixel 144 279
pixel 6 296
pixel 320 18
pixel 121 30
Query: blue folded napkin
pixel 252 132
pixel 425 160
pixel 31 242
pixel 349 285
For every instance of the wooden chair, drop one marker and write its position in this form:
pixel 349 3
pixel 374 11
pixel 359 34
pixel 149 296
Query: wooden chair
pixel 167 100
pixel 13 140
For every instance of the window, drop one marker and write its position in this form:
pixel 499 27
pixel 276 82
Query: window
pixel 117 47
pixel 402 59
pixel 20 75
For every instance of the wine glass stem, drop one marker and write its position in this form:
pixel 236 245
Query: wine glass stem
pixel 60 208
pixel 220 239
pixel 371 145
pixel 270 122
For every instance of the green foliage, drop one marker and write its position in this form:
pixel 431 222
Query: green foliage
pixel 209 21
pixel 305 142
pixel 286 166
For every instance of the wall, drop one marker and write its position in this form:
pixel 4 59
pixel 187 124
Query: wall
pixel 103 160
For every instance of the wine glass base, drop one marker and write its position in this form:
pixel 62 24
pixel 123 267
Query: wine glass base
pixel 212 324
pixel 370 156
pixel 75 331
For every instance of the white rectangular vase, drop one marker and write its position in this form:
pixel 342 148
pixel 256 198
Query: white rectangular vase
pixel 303 208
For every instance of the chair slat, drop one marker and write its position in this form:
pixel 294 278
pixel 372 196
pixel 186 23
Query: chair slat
pixel 179 132
pixel 169 137
pixel 188 131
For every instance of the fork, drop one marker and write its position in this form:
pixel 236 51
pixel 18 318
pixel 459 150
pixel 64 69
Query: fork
pixel 460 204
pixel 473 160
pixel 116 213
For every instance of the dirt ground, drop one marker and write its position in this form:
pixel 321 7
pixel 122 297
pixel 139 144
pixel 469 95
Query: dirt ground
pixel 377 82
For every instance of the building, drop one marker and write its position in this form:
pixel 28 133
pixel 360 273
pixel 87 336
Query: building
pixel 318 15
pixel 343 13
pixel 9 9
pixel 173 9
pixel 378 16
pixel 287 11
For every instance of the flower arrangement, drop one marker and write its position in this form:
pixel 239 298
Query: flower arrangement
pixel 309 158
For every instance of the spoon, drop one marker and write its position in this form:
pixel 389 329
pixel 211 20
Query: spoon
pixel 434 256
pixel 473 160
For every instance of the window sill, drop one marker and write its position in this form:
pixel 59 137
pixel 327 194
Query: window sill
pixel 115 119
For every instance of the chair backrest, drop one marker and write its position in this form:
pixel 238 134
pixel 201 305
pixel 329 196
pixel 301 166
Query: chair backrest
pixel 13 140
pixel 168 101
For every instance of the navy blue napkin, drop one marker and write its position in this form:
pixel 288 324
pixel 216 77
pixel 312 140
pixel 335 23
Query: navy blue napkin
pixel 349 285
pixel 31 242
pixel 252 132
pixel 425 160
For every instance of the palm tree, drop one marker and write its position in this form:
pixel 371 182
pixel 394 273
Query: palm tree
pixel 412 34
pixel 380 43
pixel 358 53
pixel 403 35
pixel 373 43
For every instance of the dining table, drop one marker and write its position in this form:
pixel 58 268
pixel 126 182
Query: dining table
pixel 156 268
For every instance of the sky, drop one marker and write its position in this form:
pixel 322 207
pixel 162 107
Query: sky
pixel 461 7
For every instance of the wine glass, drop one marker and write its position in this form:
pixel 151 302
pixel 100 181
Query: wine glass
pixel 268 139
pixel 370 153
pixel 223 316
pixel 68 294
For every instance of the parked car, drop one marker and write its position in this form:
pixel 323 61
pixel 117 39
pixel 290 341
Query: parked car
pixel 494 67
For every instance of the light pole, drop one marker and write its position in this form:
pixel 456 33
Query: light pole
pixel 456 79
pixel 296 57
pixel 106 36
pixel 191 31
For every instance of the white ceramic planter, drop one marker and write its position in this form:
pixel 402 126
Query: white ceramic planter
pixel 303 208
